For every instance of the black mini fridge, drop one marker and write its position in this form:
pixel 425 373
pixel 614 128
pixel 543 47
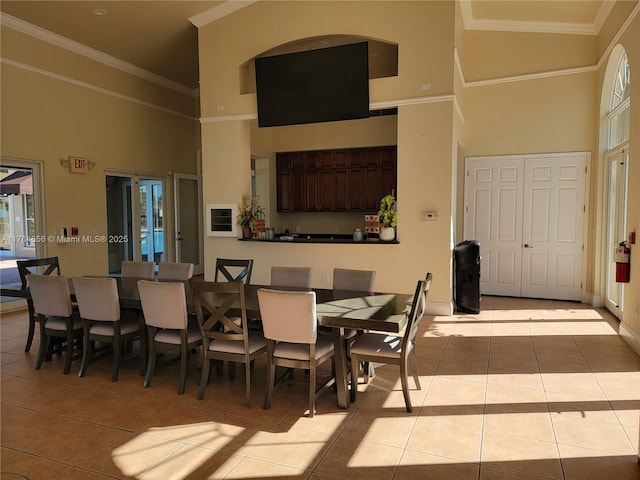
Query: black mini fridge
pixel 466 257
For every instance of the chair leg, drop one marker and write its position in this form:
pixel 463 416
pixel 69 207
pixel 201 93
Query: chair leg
pixel 405 386
pixel 87 347
pixel 69 354
pixel 247 382
pixel 271 378
pixel 32 326
pixel 151 364
pixel 117 347
pixel 354 378
pixel 183 368
pixel 204 375
pixel 45 341
pixel 414 370
pixel 312 389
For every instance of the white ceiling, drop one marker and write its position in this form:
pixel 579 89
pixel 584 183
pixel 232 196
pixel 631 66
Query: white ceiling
pixel 161 36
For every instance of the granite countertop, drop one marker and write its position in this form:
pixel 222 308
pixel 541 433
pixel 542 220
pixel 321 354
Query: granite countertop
pixel 321 238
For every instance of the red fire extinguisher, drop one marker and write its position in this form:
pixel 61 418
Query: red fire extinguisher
pixel 623 258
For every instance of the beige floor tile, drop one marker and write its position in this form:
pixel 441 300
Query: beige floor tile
pixel 581 463
pixel 193 462
pixel 353 459
pixel 535 423
pixel 248 467
pixel 458 390
pixel 506 394
pixel 309 447
pixel 388 428
pixel 141 453
pixel 33 467
pixel 418 466
pixel 446 440
pixel 580 432
pixel 79 474
pixel 521 454
pixel 234 435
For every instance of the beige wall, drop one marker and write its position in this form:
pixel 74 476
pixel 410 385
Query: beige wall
pixel 56 104
pixel 424 34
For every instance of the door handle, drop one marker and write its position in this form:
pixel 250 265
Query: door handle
pixel 526 245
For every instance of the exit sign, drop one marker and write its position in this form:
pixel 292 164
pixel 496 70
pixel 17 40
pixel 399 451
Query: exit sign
pixel 78 165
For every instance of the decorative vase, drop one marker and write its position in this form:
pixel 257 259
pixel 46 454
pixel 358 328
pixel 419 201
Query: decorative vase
pixel 387 234
pixel 246 232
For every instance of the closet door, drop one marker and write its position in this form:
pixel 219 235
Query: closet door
pixel 493 216
pixel 528 212
pixel 553 226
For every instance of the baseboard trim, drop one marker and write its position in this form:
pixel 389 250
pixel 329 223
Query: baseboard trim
pixel 630 336
pixel 439 309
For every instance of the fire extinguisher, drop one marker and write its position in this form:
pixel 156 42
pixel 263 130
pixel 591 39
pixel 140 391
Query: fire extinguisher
pixel 623 259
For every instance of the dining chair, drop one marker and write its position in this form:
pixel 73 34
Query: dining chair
pixel 133 269
pixel 164 306
pixel 234 269
pixel 52 306
pixel 42 266
pixel 99 307
pixel 225 337
pixel 291 277
pixel 175 271
pixel 290 325
pixel 356 280
pixel 391 349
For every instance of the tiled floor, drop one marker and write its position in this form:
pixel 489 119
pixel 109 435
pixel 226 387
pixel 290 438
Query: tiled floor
pixel 524 390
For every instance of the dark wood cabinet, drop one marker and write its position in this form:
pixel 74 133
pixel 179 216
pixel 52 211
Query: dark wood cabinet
pixel 344 180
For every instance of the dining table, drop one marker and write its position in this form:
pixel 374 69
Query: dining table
pixel 338 309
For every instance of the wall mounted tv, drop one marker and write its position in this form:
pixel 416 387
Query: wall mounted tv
pixel 323 85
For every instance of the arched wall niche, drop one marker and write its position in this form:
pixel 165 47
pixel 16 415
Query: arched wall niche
pixel 383 56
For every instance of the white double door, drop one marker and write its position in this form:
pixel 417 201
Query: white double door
pixel 528 213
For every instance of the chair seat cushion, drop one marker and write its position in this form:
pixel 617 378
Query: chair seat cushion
pixel 256 342
pixel 172 336
pixel 300 351
pixel 60 323
pixel 127 325
pixel 378 344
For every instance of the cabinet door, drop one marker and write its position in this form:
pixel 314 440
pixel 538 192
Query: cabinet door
pixel 291 191
pixel 372 188
pixel 340 190
pixel 319 190
pixel 356 189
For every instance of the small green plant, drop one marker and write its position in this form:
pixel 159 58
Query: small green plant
pixel 250 210
pixel 388 215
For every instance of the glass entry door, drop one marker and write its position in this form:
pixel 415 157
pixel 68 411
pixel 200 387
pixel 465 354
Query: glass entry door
pixel 135 216
pixel 616 231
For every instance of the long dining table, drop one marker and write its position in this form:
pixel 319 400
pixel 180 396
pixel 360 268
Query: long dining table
pixel 338 309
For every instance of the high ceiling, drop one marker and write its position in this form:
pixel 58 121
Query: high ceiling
pixel 159 37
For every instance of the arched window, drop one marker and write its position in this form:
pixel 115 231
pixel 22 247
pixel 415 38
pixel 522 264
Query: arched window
pixel 619 110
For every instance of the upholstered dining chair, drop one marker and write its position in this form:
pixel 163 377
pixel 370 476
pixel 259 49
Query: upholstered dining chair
pixel 291 277
pixel 133 269
pixel 391 349
pixel 42 266
pixel 357 280
pixel 164 307
pixel 225 337
pixel 52 305
pixel 290 325
pixel 99 307
pixel 175 271
pixel 233 269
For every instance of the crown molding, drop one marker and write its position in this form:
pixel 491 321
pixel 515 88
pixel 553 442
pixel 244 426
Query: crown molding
pixel 64 78
pixel 91 53
pixel 222 10
pixel 565 28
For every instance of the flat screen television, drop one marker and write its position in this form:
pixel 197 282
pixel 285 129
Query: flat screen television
pixel 323 85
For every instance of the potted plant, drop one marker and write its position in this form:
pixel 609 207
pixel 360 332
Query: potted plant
pixel 250 210
pixel 388 218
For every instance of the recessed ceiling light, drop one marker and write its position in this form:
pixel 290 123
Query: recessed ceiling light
pixel 100 12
